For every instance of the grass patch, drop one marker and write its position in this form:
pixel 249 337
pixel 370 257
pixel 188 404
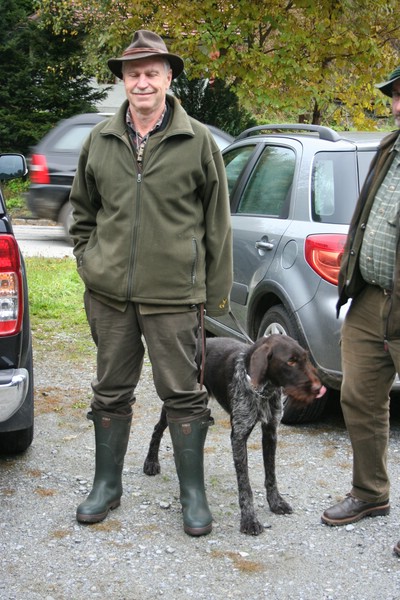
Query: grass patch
pixel 55 290
pixel 14 192
pixel 15 195
pixel 58 319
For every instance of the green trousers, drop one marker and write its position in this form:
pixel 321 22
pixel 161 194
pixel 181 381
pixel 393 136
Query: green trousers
pixel 171 340
pixel 369 368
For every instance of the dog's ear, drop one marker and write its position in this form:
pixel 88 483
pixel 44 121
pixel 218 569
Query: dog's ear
pixel 258 367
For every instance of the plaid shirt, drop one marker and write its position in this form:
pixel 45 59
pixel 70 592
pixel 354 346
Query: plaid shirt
pixel 378 251
pixel 138 141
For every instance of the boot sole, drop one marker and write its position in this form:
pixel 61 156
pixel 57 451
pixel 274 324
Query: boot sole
pixel 379 511
pixel 82 518
pixel 197 531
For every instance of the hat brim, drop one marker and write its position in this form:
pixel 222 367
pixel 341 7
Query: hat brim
pixel 386 86
pixel 177 65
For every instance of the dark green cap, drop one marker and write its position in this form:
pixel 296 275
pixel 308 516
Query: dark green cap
pixel 386 86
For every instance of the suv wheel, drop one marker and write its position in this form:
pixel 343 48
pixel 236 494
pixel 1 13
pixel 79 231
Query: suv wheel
pixel 278 320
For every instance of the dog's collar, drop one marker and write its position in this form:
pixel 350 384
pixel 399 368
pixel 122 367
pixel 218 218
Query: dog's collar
pixel 255 389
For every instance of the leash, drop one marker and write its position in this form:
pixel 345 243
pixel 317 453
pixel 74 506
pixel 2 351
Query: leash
pixel 238 325
pixel 201 341
pixel 202 336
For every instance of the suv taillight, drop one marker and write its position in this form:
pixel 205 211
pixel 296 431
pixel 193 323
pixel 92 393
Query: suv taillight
pixel 324 253
pixel 38 171
pixel 11 290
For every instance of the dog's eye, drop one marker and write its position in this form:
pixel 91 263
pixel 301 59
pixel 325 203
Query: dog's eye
pixel 292 362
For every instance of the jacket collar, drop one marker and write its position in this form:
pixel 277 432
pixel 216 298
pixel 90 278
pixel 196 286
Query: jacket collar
pixel 179 124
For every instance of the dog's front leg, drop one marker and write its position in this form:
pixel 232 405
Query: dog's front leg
pixel 269 441
pixel 249 523
pixel 151 464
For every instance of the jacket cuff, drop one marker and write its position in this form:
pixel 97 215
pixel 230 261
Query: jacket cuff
pixel 218 311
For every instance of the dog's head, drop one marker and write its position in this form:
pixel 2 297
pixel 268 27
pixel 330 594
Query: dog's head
pixel 280 360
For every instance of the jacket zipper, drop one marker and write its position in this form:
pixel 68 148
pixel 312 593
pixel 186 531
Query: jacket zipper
pixel 194 264
pixel 139 167
pixel 134 237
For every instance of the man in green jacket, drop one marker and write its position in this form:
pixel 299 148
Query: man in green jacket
pixel 152 240
pixel 370 276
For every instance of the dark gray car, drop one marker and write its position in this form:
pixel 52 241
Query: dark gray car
pixel 293 189
pixel 52 166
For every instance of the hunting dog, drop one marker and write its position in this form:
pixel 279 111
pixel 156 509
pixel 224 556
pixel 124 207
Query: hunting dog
pixel 248 382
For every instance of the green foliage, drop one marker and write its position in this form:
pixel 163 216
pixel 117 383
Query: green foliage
pixel 312 59
pixel 14 194
pixel 213 103
pixel 41 77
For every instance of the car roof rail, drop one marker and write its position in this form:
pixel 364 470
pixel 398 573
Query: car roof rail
pixel 324 133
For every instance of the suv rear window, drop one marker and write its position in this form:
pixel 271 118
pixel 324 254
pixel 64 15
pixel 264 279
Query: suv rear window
pixel 334 187
pixel 364 161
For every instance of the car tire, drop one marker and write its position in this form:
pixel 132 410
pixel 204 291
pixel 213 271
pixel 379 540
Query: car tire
pixel 278 320
pixel 16 442
pixel 65 218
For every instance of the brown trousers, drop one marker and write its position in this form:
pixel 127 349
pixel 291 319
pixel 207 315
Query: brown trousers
pixel 171 341
pixel 369 368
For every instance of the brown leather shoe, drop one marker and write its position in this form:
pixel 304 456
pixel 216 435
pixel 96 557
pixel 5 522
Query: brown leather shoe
pixel 352 509
pixel 396 549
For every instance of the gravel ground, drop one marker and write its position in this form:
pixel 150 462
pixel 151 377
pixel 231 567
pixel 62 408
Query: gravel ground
pixel 140 551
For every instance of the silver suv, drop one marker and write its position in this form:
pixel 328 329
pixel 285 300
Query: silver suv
pixel 292 190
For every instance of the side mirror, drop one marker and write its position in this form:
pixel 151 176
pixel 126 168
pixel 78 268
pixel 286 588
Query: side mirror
pixel 12 166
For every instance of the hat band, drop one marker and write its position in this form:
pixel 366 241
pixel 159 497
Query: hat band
pixel 130 51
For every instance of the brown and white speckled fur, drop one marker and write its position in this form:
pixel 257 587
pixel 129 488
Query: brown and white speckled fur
pixel 248 382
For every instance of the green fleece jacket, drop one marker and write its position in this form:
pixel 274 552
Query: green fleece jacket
pixel 351 282
pixel 159 236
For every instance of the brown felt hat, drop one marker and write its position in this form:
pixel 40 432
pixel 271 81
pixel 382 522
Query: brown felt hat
pixel 146 44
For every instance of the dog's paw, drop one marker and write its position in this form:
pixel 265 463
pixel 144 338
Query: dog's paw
pixel 151 467
pixel 251 526
pixel 279 506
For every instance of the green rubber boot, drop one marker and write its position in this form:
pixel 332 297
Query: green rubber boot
pixel 188 437
pixel 112 436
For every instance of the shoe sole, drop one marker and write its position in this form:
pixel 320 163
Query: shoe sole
pixel 379 511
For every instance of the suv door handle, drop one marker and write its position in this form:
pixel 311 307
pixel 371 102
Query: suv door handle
pixel 264 245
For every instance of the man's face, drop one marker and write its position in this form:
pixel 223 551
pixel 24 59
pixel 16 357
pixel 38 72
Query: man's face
pixel 396 102
pixel 146 83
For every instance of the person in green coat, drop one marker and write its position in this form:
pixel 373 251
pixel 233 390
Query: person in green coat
pixel 153 244
pixel 370 277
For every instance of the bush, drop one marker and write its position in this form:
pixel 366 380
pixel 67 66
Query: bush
pixel 14 193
